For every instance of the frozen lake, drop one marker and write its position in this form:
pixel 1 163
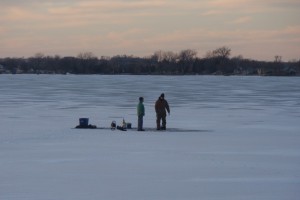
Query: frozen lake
pixel 245 142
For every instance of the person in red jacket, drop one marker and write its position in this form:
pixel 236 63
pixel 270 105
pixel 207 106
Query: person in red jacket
pixel 161 109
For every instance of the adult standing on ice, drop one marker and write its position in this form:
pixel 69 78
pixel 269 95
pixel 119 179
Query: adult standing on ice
pixel 161 109
pixel 140 113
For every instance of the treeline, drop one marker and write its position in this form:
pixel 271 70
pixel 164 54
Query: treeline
pixel 217 62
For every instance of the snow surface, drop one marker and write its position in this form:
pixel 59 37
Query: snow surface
pixel 247 143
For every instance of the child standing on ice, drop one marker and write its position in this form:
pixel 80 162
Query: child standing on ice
pixel 140 113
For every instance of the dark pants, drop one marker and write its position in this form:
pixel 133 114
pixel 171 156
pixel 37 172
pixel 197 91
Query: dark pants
pixel 162 118
pixel 140 123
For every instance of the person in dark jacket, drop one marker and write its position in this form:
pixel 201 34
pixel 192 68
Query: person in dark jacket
pixel 140 113
pixel 161 109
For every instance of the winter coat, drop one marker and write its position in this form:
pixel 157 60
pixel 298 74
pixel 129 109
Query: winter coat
pixel 140 109
pixel 161 106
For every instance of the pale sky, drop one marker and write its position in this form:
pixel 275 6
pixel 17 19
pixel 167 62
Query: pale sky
pixel 255 29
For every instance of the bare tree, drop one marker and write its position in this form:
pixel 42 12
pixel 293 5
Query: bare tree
pixel 161 56
pixel 87 62
pixel 186 59
pixel 86 55
pixel 277 59
pixel 170 56
pixel 158 56
pixel 187 55
pixel 223 52
pixel 39 55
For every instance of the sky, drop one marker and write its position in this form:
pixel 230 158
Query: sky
pixel 254 29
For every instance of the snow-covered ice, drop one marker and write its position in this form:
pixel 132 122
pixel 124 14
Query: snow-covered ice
pixel 246 144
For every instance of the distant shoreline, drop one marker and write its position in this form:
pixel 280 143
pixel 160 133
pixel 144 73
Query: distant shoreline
pixel 129 65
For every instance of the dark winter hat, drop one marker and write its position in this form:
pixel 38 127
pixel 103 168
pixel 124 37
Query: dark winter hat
pixel 162 95
pixel 141 98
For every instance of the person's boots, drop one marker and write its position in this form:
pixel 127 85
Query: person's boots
pixel 157 125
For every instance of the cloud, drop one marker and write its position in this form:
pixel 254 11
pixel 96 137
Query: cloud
pixel 256 44
pixel 142 27
pixel 81 13
pixel 19 14
pixel 242 20
pixel 99 7
pixel 249 6
pixel 212 12
pixel 122 5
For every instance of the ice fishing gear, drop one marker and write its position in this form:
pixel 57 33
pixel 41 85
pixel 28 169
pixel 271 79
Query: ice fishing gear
pixel 128 125
pixel 123 126
pixel 113 125
pixel 124 123
pixel 84 123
